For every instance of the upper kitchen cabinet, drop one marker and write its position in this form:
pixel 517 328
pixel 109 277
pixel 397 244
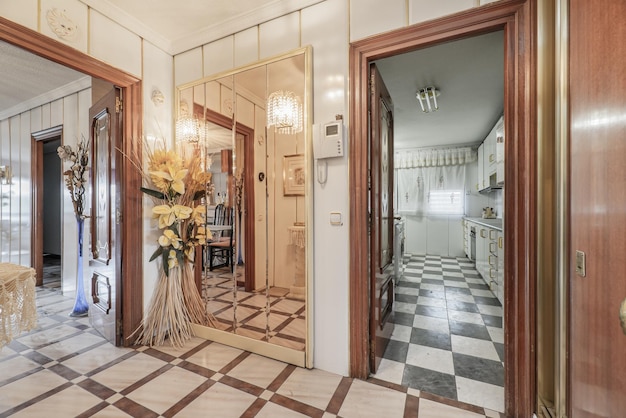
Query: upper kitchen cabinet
pixel 491 159
pixel 500 152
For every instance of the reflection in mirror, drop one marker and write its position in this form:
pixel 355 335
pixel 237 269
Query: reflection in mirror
pixel 253 272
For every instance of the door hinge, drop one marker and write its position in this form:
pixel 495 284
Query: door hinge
pixel 372 84
pixel 118 105
pixel 118 217
pixel 119 328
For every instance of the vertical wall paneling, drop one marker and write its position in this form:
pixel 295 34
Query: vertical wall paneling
pixel 4 192
pixel 188 66
pixel 35 119
pixel 325 27
pixel 56 113
pixel 114 44
pixel 369 17
pixel 422 10
pixel 218 56
pixel 247 46
pixel 23 12
pixel 45 116
pixel 74 10
pixel 279 35
pixel 13 190
pixel 24 185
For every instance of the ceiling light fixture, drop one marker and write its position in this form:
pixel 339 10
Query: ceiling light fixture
pixel 427 97
pixel 284 112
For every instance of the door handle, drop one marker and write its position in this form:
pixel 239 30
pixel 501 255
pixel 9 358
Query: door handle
pixel 622 315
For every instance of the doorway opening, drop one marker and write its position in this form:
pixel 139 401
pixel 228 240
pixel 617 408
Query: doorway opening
pixel 515 19
pixel 52 184
pixel 448 337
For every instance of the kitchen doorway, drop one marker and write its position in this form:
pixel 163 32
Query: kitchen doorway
pixel 448 337
pixel 513 19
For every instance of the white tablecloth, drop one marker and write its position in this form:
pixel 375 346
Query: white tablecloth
pixel 18 310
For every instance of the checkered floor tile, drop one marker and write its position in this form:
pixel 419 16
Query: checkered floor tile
pixel 448 338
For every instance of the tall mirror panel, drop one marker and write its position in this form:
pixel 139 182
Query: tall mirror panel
pixel 253 270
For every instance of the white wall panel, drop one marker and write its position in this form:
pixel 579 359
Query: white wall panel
pixel 13 190
pixel 246 46
pixel 369 17
pixel 24 185
pixel 324 27
pixel 188 66
pixel 45 116
pixel 114 44
pixel 157 75
pixel 73 10
pixel 56 112
pixel 455 237
pixel 422 10
pixel 35 119
pixel 23 12
pixel 279 35
pixel 5 210
pixel 219 56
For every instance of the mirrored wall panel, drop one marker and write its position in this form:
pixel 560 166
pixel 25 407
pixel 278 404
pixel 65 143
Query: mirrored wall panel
pixel 254 136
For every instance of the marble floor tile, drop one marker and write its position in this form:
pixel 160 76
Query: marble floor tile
pixel 257 370
pixel 70 402
pixel 29 387
pixel 481 394
pixel 469 317
pixel 402 333
pixel 121 375
pixel 366 400
pixel 474 347
pixel 432 409
pixel 312 387
pixel 434 324
pixel 390 371
pixel 431 381
pixel 219 401
pixel 430 358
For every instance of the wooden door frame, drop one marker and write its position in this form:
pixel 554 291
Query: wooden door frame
pixel 132 259
pixel 518 20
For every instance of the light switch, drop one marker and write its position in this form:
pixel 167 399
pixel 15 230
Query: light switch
pixel 335 218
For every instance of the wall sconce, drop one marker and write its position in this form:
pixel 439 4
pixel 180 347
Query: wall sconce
pixel 427 97
pixel 5 174
pixel 190 129
pixel 284 112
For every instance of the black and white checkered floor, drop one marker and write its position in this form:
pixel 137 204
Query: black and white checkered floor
pixel 448 337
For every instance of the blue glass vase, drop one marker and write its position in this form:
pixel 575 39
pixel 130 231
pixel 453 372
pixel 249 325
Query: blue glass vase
pixel 81 306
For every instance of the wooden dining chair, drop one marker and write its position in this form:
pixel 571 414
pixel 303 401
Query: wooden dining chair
pixel 222 247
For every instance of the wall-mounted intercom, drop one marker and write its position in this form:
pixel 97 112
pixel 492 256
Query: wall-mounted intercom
pixel 328 141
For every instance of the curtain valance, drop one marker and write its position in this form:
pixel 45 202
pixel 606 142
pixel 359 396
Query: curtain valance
pixel 434 157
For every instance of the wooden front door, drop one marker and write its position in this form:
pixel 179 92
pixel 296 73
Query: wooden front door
pixel 597 85
pixel 381 215
pixel 105 226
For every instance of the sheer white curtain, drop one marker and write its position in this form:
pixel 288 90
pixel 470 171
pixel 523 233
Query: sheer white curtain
pixel 432 182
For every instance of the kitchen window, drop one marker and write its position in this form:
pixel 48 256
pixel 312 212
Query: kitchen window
pixel 445 202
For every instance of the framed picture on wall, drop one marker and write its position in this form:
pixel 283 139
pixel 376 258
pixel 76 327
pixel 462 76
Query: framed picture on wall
pixel 293 175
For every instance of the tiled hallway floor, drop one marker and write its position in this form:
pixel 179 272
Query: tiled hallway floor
pixel 64 368
pixel 448 338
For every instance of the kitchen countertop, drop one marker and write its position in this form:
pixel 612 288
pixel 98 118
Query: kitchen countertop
pixel 495 223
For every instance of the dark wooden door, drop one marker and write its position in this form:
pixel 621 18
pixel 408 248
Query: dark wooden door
pixel 597 345
pixel 381 213
pixel 106 217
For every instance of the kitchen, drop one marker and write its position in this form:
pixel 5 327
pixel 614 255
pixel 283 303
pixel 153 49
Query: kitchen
pixel 448 336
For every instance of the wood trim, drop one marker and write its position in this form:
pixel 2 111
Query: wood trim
pixel 131 260
pixel 517 18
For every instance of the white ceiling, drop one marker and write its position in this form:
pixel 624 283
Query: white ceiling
pixel 469 72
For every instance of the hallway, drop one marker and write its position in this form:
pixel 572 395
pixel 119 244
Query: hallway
pixel 64 368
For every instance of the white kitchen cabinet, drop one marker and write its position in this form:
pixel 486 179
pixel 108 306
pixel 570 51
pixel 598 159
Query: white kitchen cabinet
pixel 481 251
pixel 492 259
pixel 481 168
pixel 466 238
pixel 501 284
pixel 500 152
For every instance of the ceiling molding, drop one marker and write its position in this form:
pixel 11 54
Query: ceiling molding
pixel 50 96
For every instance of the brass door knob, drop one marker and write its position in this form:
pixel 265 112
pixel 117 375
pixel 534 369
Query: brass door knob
pixel 622 316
